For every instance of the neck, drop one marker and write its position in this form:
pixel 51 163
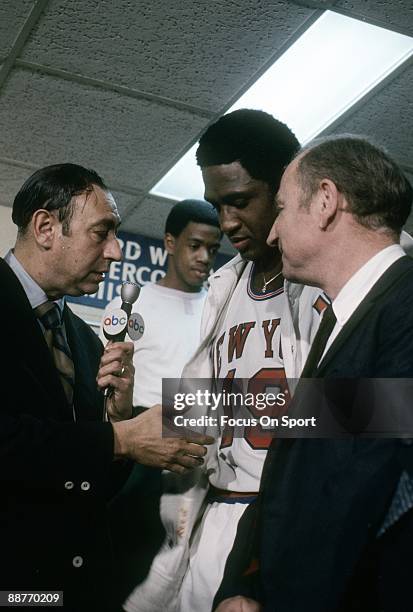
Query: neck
pixel 172 281
pixel 267 272
pixel 27 257
pixel 339 270
pixel 33 264
pixel 269 264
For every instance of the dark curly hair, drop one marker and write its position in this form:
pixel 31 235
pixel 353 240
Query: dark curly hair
pixel 197 211
pixel 263 145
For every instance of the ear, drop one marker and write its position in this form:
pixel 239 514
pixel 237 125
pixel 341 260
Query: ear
pixel 328 203
pixel 44 224
pixel 169 242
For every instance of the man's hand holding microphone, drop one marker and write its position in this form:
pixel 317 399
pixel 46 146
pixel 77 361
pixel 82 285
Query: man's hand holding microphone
pixel 140 438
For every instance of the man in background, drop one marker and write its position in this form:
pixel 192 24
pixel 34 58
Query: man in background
pixel 336 528
pixel 171 310
pixel 60 461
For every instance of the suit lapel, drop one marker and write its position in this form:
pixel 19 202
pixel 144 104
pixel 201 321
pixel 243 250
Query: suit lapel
pixel 31 349
pixel 385 284
pixel 39 363
pixel 280 447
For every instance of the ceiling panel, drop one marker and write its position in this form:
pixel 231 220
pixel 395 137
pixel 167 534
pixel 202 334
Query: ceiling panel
pixel 393 15
pixel 199 53
pixel 148 217
pixel 11 179
pixel 12 17
pixel 387 117
pixel 125 202
pixel 48 120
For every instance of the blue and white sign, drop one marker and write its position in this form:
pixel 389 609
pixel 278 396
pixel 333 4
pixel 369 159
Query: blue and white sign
pixel 144 260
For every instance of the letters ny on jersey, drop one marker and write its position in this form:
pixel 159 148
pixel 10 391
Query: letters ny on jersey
pixel 248 347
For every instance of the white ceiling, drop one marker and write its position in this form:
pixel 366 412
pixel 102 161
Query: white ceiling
pixel 126 87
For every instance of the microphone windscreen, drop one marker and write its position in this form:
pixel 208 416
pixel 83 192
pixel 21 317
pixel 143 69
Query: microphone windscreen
pixel 129 292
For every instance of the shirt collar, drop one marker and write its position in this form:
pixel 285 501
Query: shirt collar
pixel 34 292
pixel 356 289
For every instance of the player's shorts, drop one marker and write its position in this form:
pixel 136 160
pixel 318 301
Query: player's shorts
pixel 212 542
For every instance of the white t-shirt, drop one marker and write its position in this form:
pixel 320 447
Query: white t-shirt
pixel 172 327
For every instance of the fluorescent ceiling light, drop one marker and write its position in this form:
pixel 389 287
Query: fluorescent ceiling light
pixel 327 70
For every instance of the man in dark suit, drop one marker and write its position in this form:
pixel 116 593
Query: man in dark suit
pixel 336 528
pixel 60 457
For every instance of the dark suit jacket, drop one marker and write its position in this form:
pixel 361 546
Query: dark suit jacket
pixel 55 474
pixel 324 500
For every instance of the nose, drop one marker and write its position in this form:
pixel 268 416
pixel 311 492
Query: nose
pixel 203 255
pixel 273 235
pixel 228 219
pixel 113 250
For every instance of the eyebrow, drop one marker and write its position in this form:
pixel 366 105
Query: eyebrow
pixel 107 223
pixel 231 196
pixel 201 240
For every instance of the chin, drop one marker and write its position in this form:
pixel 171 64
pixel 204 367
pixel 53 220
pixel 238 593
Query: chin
pixel 88 289
pixel 258 254
pixel 293 276
pixel 248 255
pixel 75 292
pixel 289 274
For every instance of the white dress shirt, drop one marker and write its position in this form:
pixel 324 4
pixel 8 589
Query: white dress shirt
pixel 356 289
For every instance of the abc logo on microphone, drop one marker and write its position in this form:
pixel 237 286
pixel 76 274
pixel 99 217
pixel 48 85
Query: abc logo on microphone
pixel 117 321
pixel 136 326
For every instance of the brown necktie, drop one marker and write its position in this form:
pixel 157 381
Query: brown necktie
pixel 49 315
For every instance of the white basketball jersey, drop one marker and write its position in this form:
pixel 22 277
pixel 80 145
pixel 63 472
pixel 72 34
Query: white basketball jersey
pixel 247 347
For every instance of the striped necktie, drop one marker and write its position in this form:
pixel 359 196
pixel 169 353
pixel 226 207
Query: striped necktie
pixel 50 317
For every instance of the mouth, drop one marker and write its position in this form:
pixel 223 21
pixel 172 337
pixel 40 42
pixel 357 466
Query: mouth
pixel 100 276
pixel 202 273
pixel 241 243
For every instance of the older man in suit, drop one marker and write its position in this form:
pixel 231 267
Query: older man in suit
pixel 60 457
pixel 336 528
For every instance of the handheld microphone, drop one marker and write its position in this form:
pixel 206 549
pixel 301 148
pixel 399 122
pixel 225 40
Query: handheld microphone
pixel 115 322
